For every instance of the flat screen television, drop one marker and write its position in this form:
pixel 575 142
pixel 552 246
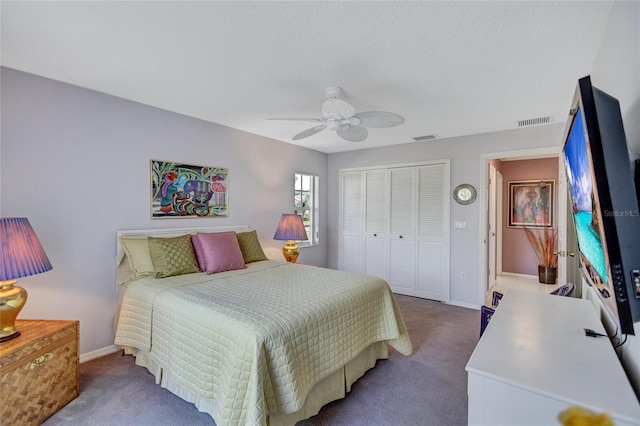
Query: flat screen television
pixel 637 176
pixel 604 203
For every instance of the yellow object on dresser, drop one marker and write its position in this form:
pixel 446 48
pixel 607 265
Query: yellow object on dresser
pixel 38 371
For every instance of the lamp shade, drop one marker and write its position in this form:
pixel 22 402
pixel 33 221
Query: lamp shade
pixel 22 254
pixel 290 227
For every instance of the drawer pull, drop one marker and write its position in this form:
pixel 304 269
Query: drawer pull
pixel 40 361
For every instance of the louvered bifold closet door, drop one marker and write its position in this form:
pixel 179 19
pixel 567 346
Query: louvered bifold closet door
pixel 433 232
pixel 352 213
pixel 375 234
pixel 402 230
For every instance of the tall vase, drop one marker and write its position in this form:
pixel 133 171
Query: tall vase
pixel 547 274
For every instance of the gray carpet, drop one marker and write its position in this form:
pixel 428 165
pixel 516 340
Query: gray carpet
pixel 427 388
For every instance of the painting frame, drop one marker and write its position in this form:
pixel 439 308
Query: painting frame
pixel 531 203
pixel 188 191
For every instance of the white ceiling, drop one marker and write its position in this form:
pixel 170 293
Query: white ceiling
pixel 450 68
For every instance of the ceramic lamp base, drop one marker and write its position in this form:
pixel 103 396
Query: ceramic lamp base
pixel 12 299
pixel 291 251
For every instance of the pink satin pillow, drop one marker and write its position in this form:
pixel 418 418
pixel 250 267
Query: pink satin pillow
pixel 217 251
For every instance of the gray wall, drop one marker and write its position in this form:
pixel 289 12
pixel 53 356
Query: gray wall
pixel 616 68
pixel 76 163
pixel 465 154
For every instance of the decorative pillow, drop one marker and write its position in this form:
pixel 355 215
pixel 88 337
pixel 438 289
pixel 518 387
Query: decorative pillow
pixel 198 248
pixel 219 251
pixel 137 251
pixel 250 246
pixel 172 256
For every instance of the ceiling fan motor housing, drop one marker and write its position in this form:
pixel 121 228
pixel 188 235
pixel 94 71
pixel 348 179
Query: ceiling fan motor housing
pixel 333 92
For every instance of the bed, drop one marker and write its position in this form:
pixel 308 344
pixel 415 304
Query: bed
pixel 265 342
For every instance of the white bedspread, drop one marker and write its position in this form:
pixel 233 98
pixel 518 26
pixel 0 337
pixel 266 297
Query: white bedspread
pixel 255 341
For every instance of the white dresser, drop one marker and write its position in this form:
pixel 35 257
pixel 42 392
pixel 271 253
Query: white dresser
pixel 534 361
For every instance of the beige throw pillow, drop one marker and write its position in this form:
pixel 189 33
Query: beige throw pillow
pixel 137 251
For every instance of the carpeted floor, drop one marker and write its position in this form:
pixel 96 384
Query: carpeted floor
pixel 427 388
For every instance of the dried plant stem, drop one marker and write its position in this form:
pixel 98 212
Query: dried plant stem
pixel 543 242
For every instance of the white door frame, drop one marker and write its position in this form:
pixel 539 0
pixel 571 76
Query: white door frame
pixel 492 230
pixel 522 154
pixel 499 210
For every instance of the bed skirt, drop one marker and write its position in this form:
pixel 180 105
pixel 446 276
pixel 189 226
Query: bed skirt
pixel 333 387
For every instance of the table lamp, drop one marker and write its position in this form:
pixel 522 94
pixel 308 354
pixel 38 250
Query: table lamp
pixel 21 255
pixel 289 229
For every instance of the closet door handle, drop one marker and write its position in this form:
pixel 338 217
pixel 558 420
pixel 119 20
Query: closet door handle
pixel 401 236
pixel 375 235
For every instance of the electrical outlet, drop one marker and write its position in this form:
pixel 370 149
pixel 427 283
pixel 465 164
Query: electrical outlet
pixel 463 276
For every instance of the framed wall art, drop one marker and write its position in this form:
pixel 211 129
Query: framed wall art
pixel 188 191
pixel 531 203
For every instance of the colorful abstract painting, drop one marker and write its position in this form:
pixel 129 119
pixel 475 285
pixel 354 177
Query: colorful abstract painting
pixel 188 191
pixel 531 203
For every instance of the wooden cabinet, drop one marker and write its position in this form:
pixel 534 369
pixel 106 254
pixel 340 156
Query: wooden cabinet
pixel 38 371
pixel 534 361
pixel 395 225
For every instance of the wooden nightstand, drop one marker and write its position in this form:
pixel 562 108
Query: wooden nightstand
pixel 38 371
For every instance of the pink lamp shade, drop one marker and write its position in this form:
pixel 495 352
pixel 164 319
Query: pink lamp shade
pixel 290 227
pixel 22 255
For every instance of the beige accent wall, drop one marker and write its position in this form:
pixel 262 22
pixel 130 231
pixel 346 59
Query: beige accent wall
pixel 517 256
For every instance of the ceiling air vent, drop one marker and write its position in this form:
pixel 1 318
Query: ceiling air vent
pixel 535 121
pixel 425 138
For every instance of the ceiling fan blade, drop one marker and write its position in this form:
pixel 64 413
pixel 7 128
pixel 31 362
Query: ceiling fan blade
pixel 379 119
pixel 353 133
pixel 312 120
pixel 337 106
pixel 309 132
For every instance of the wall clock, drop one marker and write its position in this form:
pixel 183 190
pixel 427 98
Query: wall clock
pixel 464 194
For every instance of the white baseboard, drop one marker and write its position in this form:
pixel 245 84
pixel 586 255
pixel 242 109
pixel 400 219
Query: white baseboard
pixel 464 305
pixel 513 274
pixel 98 353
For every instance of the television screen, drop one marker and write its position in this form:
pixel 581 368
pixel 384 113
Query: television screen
pixel 637 177
pixel 585 209
pixel 603 202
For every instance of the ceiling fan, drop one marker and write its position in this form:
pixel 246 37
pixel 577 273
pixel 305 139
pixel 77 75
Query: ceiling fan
pixel 340 116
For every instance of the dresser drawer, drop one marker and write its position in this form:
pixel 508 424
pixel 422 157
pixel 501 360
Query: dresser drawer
pixel 39 375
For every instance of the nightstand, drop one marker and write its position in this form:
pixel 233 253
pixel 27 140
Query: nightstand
pixel 38 371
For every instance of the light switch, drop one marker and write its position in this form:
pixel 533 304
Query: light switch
pixel 460 224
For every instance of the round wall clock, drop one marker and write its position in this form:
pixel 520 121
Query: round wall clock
pixel 464 194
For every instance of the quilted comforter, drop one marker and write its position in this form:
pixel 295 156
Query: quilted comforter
pixel 255 341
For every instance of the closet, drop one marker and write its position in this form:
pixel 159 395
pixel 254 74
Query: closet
pixel 394 224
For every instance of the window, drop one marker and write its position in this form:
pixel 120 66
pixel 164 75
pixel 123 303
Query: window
pixel 305 199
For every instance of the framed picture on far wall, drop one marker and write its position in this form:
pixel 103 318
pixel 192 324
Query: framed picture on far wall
pixel 188 191
pixel 531 203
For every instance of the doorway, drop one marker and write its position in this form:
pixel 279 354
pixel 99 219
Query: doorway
pixel 494 226
pixel 492 211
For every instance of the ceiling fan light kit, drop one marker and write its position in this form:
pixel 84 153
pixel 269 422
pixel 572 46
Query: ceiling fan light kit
pixel 339 116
